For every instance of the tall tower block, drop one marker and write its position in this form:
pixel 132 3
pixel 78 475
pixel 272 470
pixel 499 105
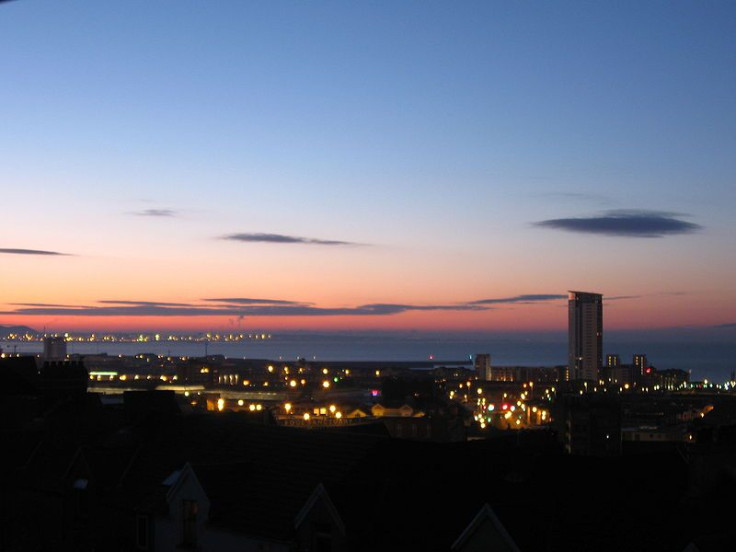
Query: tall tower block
pixel 585 335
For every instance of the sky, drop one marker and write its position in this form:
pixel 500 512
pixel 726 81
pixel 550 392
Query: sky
pixel 383 165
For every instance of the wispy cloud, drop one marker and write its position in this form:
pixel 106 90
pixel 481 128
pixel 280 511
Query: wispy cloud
pixel 255 308
pixel 250 301
pixel 282 238
pixel 156 213
pixel 12 251
pixel 529 298
pixel 626 223
pixel 142 303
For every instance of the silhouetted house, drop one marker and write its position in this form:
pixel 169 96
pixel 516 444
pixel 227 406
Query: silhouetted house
pixel 90 479
pixel 19 400
pixel 355 413
pixel 27 392
pixel 50 490
pixel 223 507
pixel 216 483
pixel 404 410
pixel 18 376
pixel 318 525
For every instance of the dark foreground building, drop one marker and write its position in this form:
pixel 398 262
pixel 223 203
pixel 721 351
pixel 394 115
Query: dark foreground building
pixel 149 475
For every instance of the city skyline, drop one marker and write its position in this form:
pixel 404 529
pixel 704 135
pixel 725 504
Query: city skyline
pixel 367 167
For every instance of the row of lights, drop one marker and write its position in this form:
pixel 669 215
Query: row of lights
pixel 252 407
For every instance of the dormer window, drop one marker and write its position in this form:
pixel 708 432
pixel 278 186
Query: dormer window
pixel 81 496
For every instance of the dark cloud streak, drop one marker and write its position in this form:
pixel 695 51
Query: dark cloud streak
pixel 282 238
pixel 625 223
pixel 530 298
pixel 143 303
pixel 147 308
pixel 249 301
pixel 156 213
pixel 11 251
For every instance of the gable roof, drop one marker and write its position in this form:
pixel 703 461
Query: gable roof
pixel 485 515
pixel 177 481
pixel 320 494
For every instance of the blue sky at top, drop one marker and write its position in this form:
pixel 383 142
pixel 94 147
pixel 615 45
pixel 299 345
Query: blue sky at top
pixel 435 129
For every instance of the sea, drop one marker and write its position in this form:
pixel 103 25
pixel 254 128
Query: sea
pixel 703 359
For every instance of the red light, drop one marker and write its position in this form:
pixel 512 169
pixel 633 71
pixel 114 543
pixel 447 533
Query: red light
pixel 375 392
pixel 505 406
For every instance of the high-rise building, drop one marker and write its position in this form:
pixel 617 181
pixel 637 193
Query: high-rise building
pixel 613 361
pixel 585 335
pixel 483 366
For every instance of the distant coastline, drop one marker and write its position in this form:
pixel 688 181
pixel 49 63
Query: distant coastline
pixel 713 360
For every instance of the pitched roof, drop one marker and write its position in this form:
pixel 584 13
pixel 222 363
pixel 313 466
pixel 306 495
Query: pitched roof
pixel 257 477
pixel 486 516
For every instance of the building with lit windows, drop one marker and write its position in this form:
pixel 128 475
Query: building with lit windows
pixel 640 364
pixel 585 335
pixel 483 366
